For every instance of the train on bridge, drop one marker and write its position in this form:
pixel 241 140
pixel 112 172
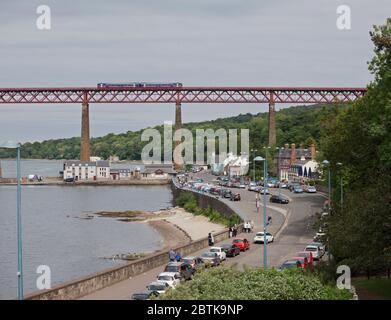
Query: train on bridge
pixel 140 85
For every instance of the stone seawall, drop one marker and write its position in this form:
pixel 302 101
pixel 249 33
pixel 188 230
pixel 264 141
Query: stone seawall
pixel 80 287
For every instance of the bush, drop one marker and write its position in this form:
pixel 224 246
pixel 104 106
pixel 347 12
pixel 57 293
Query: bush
pixel 188 201
pixel 224 283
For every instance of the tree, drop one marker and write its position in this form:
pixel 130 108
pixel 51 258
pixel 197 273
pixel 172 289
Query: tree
pixel 360 138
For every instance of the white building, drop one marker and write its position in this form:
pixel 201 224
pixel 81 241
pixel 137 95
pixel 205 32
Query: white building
pixel 158 171
pixel 303 168
pixel 121 174
pixel 86 170
pixel 229 164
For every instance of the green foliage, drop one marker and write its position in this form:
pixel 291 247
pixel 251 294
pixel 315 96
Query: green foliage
pixel 188 201
pixel 224 283
pixel 360 138
pixel 299 124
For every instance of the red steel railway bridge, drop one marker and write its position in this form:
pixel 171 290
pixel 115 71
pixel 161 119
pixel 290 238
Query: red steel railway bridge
pixel 177 96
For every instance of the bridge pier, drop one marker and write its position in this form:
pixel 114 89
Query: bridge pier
pixel 85 133
pixel 272 122
pixel 178 166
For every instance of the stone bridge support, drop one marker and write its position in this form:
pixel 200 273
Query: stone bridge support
pixel 85 133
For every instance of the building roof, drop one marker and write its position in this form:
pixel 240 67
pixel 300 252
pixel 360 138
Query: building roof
pixel 78 162
pixel 164 169
pixel 286 153
pixel 100 163
pixel 120 170
pixel 103 163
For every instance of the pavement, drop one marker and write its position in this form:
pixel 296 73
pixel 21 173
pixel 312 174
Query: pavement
pixel 291 226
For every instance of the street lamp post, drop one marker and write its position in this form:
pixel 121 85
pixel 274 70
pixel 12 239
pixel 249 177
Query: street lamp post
pixel 13 145
pixel 264 211
pixel 253 151
pixel 279 171
pixel 326 163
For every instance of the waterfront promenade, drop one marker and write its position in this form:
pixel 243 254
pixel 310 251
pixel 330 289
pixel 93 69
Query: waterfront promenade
pixel 292 227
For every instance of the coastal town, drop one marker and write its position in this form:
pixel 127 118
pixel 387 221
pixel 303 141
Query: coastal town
pixel 195 158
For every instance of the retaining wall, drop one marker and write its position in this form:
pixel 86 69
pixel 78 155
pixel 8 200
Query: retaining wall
pixel 86 285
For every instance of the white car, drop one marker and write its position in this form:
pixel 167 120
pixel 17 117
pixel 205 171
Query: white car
pixel 159 287
pixel 263 191
pixel 311 189
pixel 260 237
pixel 171 278
pixel 220 252
pixel 315 250
pixel 252 186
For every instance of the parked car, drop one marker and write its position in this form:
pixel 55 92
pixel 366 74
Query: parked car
pixel 235 197
pixel 211 258
pixel 315 250
pixel 145 295
pixel 260 237
pixel 230 250
pixel 184 270
pixel 298 189
pixel 279 199
pixel 320 245
pixel 303 261
pixel 308 255
pixel 220 252
pixel 290 264
pixel 241 243
pixel 69 180
pixel 252 186
pixel 226 193
pixel 283 185
pixel 264 190
pixel 195 262
pixel 171 278
pixel 159 287
pixel 311 189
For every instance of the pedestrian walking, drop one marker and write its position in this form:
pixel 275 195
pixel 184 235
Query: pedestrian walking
pixel 178 257
pixel 171 255
pixel 211 240
pixel 230 232
pixel 235 230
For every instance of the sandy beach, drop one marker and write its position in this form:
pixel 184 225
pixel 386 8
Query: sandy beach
pixel 176 226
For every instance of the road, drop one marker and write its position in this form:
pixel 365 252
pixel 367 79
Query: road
pixel 291 225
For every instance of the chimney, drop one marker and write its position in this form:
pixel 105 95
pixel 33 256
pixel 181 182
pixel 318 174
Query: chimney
pixel 293 153
pixel 313 151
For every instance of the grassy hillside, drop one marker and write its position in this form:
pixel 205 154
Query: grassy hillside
pixel 294 125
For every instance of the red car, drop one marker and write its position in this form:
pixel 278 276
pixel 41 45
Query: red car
pixel 308 255
pixel 241 243
pixel 303 261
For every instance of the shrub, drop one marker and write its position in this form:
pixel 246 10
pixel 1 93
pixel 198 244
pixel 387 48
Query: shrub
pixel 188 201
pixel 223 283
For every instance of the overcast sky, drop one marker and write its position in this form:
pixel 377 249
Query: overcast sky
pixel 196 42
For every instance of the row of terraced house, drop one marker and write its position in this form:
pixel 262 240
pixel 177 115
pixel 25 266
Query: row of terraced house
pixel 101 170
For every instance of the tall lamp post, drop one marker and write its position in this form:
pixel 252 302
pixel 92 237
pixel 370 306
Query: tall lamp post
pixel 264 210
pixel 14 145
pixel 326 163
pixel 253 151
pixel 279 171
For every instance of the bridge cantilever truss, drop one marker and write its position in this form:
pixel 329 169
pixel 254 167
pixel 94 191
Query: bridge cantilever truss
pixel 183 95
pixel 85 96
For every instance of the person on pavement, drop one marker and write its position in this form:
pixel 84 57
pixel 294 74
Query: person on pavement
pixel 172 255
